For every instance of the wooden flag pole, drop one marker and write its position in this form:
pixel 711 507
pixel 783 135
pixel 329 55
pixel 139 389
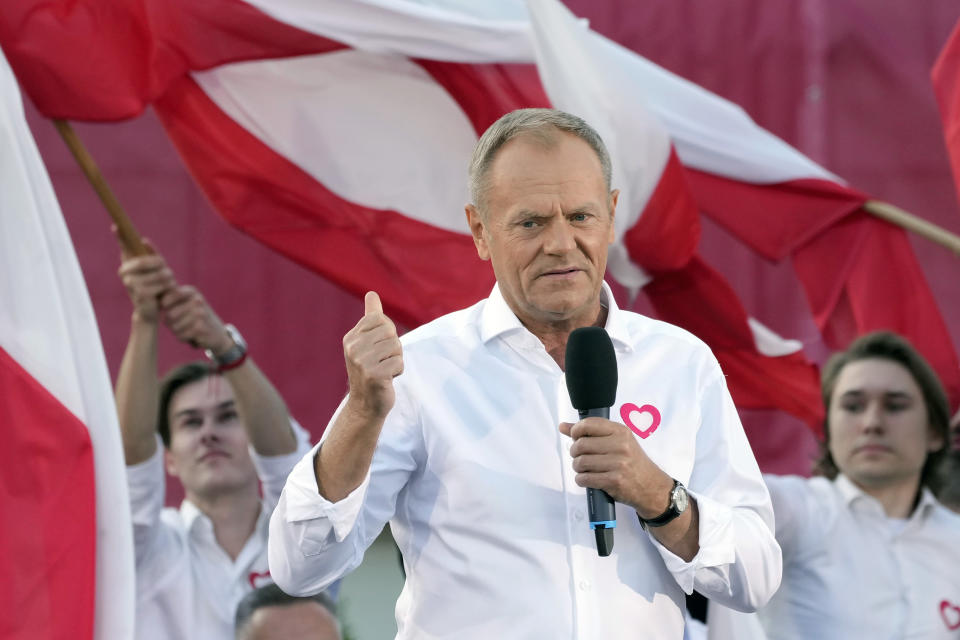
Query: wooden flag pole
pixel 126 232
pixel 910 222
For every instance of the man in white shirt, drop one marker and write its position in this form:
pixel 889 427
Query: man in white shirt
pixel 477 458
pixel 224 429
pixel 868 551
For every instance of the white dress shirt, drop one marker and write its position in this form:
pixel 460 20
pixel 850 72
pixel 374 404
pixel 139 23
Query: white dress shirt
pixel 478 486
pixel 851 572
pixel 187 585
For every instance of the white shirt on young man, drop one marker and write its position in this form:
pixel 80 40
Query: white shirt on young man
pixel 478 486
pixel 849 571
pixel 187 585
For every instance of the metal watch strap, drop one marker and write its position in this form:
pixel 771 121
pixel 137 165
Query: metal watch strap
pixel 232 355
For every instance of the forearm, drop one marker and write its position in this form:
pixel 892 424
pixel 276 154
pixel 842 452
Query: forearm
pixel 344 459
pixel 681 536
pixel 136 392
pixel 263 410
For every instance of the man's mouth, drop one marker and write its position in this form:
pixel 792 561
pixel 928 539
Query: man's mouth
pixel 873 447
pixel 566 271
pixel 210 455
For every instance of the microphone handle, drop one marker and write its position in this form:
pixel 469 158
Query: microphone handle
pixel 600 506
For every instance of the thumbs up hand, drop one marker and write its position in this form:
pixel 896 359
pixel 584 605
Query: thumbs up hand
pixel 374 357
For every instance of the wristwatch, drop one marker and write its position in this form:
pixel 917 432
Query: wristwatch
pixel 679 500
pixel 232 357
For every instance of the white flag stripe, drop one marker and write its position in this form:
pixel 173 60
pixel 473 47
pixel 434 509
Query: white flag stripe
pixel 710 133
pixel 436 30
pixel 769 342
pixel 376 130
pixel 47 324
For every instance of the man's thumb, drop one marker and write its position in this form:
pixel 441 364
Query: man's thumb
pixel 371 303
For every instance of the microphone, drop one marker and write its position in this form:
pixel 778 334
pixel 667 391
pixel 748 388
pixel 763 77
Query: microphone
pixel 591 372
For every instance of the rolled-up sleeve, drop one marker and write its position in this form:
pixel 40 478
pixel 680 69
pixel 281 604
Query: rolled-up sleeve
pixel 313 541
pixel 739 563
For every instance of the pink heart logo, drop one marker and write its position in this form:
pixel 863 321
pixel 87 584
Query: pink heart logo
pixel 950 614
pixel 258 579
pixel 642 420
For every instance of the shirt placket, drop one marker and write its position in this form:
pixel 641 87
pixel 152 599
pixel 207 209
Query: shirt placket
pixel 584 615
pixel 874 518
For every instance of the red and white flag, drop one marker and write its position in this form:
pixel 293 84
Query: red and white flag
pixel 337 132
pixel 66 549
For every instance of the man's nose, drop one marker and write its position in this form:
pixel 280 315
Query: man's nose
pixel 873 417
pixel 208 431
pixel 559 237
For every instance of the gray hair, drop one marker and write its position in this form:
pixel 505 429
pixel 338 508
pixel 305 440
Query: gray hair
pixel 539 123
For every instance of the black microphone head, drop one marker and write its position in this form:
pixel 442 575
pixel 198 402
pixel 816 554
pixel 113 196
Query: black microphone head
pixel 591 369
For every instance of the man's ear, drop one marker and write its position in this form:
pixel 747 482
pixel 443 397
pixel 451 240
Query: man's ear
pixel 170 463
pixel 614 196
pixel 477 227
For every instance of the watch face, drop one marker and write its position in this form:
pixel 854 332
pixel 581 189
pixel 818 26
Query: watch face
pixel 680 498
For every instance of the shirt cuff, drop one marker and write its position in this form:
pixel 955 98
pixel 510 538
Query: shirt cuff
pixel 304 502
pixel 716 543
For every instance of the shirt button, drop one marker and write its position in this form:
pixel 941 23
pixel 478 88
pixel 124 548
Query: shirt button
pixel 578 515
pixel 584 585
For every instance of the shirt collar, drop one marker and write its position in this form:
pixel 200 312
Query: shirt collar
pixel 499 319
pixel 851 493
pixel 195 519
pixel 192 516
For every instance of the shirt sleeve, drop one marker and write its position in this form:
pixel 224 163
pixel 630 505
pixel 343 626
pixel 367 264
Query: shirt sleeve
pixel 792 508
pixel 147 487
pixel 739 563
pixel 273 470
pixel 313 541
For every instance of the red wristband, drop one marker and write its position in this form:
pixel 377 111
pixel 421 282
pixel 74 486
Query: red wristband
pixel 233 365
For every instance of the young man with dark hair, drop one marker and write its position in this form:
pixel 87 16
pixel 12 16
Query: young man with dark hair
pixel 222 429
pixel 868 551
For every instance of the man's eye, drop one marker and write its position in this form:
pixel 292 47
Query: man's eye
pixel 226 416
pixel 579 217
pixel 528 224
pixel 191 423
pixel 894 407
pixel 852 407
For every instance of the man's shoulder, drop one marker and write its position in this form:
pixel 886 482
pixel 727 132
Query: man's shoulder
pixel 643 330
pixel 458 325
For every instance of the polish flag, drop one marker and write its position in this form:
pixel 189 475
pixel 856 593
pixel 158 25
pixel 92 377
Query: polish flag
pixel 66 555
pixel 338 132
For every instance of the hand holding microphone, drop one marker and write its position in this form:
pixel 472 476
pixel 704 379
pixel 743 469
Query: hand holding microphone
pixel 606 456
pixel 591 372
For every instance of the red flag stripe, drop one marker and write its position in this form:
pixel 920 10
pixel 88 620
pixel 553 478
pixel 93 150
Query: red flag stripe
pixel 134 50
pixel 48 514
pixel 357 247
pixel 773 219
